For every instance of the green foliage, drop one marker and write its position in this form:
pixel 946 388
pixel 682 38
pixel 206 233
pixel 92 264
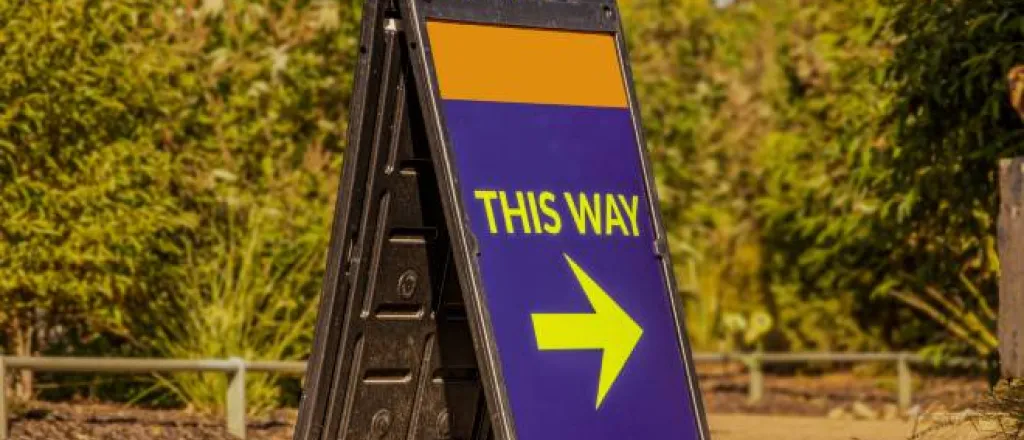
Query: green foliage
pixel 91 220
pixel 832 162
pixel 273 79
pixel 907 212
pixel 952 122
pixel 762 102
pixel 251 299
pixel 131 132
pixel 667 42
pixel 823 112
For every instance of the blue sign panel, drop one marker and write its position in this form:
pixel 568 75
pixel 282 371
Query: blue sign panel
pixel 555 195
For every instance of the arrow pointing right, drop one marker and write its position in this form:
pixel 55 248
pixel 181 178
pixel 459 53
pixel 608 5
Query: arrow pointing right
pixel 609 329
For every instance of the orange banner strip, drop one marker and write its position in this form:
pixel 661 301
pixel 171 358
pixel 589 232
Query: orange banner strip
pixel 505 64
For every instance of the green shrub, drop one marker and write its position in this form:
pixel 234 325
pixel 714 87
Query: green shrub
pixel 91 219
pixel 250 298
pixel 132 131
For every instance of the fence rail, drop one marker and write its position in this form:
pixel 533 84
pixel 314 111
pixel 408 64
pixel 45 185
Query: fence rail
pixel 755 363
pixel 236 369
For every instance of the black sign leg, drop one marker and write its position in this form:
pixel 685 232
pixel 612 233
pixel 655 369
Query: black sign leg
pixel 393 357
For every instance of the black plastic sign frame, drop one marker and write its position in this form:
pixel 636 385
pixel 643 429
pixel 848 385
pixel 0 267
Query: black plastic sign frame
pixel 405 344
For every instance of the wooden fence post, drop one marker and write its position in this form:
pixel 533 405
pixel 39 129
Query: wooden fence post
pixel 1011 258
pixel 3 399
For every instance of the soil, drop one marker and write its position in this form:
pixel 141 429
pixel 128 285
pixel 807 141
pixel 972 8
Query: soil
pixel 85 421
pixel 818 395
pixel 792 409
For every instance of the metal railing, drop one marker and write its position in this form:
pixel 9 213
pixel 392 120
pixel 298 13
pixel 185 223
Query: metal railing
pixel 236 369
pixel 755 363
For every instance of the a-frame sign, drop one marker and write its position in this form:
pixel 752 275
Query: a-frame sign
pixel 498 268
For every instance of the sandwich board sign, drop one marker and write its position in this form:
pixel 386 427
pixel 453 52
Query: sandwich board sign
pixel 498 267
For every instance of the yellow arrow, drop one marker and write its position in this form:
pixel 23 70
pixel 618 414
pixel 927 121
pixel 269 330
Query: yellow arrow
pixel 609 329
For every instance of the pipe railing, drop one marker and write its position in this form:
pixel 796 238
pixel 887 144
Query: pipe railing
pixel 755 363
pixel 236 369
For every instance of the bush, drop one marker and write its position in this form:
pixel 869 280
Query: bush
pixel 132 133
pixel 92 219
pixel 251 298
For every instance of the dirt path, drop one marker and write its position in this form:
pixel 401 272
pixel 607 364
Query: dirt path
pixel 748 427
pixel 751 427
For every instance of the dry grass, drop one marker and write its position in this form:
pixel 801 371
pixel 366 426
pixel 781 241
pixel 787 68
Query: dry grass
pixel 1000 416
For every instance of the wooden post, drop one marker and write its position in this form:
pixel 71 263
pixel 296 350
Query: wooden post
pixel 1011 257
pixel 3 399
